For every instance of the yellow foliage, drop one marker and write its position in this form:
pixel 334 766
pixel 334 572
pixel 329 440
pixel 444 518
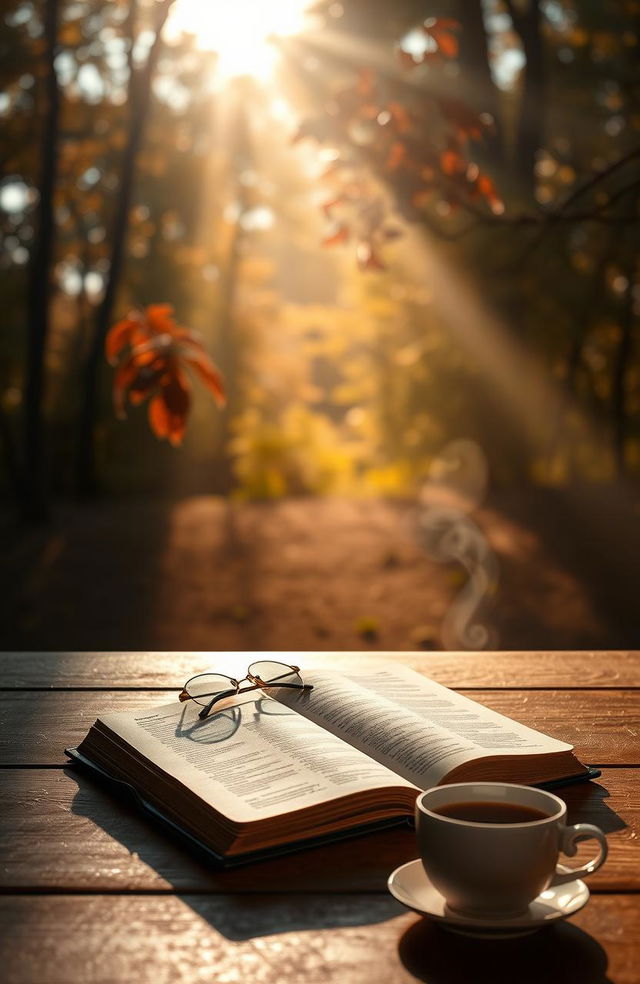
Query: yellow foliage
pixel 298 453
pixel 395 478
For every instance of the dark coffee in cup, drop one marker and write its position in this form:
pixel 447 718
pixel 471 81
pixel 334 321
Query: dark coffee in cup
pixel 487 812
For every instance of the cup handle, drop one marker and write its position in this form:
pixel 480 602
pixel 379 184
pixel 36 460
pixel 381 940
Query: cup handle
pixel 570 838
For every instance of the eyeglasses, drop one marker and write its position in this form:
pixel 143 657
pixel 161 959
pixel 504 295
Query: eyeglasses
pixel 209 688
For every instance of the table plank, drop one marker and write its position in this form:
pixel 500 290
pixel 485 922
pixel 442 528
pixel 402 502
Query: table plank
pixel 196 940
pixel 146 670
pixel 604 726
pixel 61 830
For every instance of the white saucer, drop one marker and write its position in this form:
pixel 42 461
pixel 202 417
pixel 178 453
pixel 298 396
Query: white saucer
pixel 409 884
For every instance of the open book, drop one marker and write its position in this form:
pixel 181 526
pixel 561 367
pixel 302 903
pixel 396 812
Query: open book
pixel 269 774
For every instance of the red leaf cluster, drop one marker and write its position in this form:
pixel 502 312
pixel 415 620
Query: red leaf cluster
pixel 441 30
pixel 462 120
pixel 418 142
pixel 151 352
pixel 444 43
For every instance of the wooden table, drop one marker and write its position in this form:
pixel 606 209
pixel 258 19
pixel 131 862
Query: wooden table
pixel 92 892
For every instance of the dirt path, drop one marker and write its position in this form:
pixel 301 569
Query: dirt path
pixel 200 574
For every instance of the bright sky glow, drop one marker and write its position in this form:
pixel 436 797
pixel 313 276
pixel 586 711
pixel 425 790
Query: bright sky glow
pixel 240 31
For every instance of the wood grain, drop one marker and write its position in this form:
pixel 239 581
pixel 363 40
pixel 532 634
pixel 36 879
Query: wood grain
pixel 60 830
pixel 301 918
pixel 146 670
pixel 604 725
pixel 272 940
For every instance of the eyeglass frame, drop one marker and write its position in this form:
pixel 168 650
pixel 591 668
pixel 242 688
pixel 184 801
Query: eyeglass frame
pixel 258 684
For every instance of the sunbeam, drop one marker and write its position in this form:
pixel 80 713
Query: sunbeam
pixel 241 33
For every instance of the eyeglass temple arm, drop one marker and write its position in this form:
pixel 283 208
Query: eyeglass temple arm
pixel 230 693
pixel 183 695
pixel 225 693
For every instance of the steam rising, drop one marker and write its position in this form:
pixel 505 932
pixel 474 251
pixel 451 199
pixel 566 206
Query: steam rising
pixel 455 488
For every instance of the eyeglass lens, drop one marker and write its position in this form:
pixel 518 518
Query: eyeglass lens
pixel 272 672
pixel 204 687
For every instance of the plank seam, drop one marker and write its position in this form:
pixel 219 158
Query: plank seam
pixel 68 764
pixel 221 893
pixel 474 686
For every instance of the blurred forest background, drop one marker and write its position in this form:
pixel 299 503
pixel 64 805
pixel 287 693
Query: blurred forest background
pixel 406 233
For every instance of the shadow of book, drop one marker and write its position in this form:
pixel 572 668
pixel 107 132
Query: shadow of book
pixel 147 858
pixel 586 804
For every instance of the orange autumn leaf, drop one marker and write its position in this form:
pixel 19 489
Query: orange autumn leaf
pixel 440 29
pixel 400 117
pixel 169 409
pixel 157 349
pixel 123 379
pixel 190 339
pixel 466 121
pixel 163 423
pixel 396 156
pixel 120 335
pixel 341 235
pixel 451 162
pixel 487 189
pixel 209 375
pixel 444 23
pixel 160 318
pixel 328 207
pixel 158 417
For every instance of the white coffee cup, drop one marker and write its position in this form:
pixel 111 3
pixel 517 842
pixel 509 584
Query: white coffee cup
pixel 497 869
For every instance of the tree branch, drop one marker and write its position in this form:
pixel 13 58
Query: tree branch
pixel 600 176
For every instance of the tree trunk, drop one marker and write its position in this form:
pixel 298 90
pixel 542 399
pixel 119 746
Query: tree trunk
pixel 12 460
pixel 35 502
pixel 479 89
pixel 621 368
pixel 529 137
pixel 240 159
pixel 140 94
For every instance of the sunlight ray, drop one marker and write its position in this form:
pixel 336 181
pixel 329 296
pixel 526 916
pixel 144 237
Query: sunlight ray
pixel 530 397
pixel 242 33
pixel 343 50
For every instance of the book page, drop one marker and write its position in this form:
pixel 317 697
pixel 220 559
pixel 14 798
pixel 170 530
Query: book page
pixel 253 760
pixel 412 725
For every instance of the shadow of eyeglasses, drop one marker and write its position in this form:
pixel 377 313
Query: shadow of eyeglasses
pixel 223 724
